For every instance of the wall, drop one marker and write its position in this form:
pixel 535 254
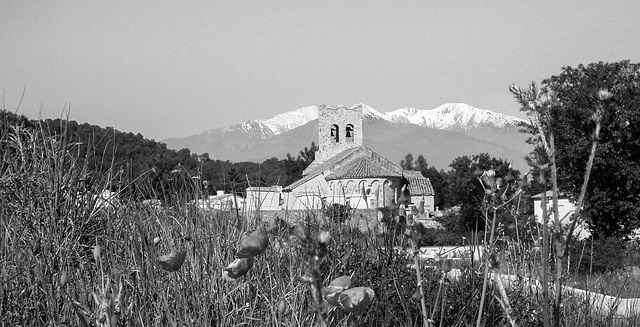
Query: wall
pixel 565 209
pixel 429 202
pixel 264 198
pixel 341 116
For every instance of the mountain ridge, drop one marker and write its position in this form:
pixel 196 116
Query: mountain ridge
pixel 464 130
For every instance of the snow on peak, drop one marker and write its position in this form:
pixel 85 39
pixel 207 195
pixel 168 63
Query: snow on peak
pixel 450 115
pixel 446 116
pixel 289 120
pixel 368 111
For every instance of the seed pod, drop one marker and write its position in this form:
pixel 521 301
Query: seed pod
pixel 416 295
pixel 63 278
pixel 446 265
pixel 238 268
pixel 332 292
pixel 356 299
pixel 253 244
pixel 172 261
pixel 283 308
pixel 509 177
pixel 96 253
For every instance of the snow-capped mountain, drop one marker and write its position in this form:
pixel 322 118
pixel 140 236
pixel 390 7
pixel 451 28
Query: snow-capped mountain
pixel 449 116
pixel 452 129
pixel 289 120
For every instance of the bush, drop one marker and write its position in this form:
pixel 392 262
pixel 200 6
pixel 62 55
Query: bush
pixel 598 255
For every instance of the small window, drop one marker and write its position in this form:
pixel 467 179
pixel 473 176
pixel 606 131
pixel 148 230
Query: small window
pixel 349 133
pixel 335 133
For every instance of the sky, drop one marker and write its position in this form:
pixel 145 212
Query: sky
pixel 176 68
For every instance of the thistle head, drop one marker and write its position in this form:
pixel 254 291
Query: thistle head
pixel 604 94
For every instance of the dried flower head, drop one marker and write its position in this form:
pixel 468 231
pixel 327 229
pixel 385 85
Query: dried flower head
pixel 604 94
pixel 324 236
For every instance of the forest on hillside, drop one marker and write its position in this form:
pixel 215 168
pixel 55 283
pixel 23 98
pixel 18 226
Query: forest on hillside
pixel 140 168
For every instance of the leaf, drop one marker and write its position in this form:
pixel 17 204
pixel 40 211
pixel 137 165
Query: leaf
pixel 332 292
pixel 173 261
pixel 81 313
pixel 238 268
pixel 356 299
pixel 253 244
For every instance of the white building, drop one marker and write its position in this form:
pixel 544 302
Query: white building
pixel 566 210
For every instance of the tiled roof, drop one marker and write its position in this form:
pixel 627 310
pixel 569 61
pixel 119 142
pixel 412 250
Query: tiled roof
pixel 362 167
pixel 317 165
pixel 323 166
pixel 561 195
pixel 357 162
pixel 418 184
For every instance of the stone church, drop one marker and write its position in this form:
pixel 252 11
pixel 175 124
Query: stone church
pixel 345 171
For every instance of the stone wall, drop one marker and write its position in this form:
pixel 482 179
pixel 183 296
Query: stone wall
pixel 334 136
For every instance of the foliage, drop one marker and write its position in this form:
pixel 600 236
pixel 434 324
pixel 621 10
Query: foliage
pixel 438 237
pixel 598 255
pixel 337 212
pixel 611 205
pixel 66 263
pixel 295 166
pixel 140 168
pixel 466 191
pixel 407 162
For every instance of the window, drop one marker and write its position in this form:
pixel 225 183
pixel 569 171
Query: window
pixel 335 133
pixel 349 133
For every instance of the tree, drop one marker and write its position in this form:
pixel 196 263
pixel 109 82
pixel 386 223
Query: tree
pixel 543 108
pixel 407 162
pixel 613 192
pixel 293 167
pixel 464 189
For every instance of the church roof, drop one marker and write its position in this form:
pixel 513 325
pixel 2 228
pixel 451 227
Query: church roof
pixel 418 184
pixel 356 162
pixel 363 167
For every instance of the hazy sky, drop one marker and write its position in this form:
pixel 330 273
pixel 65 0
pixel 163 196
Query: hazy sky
pixel 176 68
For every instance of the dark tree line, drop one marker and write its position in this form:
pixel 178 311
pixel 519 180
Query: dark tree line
pixel 141 168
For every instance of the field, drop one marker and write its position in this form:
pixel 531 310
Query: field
pixel 69 259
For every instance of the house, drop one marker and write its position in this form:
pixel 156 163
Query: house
pixel 345 171
pixel 566 208
pixel 420 189
pixel 221 201
pixel 264 198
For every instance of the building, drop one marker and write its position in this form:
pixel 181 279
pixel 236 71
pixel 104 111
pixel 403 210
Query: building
pixel 221 201
pixel 421 190
pixel 345 171
pixel 566 208
pixel 265 198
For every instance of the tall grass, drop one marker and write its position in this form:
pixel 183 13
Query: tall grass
pixel 65 259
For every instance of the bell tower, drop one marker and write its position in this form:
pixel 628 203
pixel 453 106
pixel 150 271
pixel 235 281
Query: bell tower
pixel 339 129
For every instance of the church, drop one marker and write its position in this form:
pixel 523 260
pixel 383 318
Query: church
pixel 345 171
